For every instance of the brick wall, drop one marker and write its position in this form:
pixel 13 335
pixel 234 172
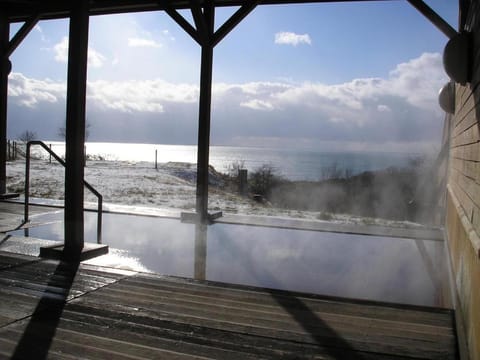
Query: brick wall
pixel 463 195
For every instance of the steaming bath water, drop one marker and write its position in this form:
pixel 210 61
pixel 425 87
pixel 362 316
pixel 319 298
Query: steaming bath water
pixel 293 164
pixel 377 268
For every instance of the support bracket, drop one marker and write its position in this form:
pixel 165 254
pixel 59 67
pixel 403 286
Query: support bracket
pixel 22 34
pixel 234 20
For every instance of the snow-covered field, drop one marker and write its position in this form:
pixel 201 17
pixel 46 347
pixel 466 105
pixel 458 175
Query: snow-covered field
pixel 171 186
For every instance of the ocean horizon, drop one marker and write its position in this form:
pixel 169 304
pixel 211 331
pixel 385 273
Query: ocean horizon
pixel 292 164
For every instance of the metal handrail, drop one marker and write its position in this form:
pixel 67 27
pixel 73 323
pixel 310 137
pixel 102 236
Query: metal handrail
pixel 61 161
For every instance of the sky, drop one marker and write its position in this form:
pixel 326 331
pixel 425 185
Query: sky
pixel 332 76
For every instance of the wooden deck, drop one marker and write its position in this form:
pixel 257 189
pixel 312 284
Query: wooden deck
pixel 55 310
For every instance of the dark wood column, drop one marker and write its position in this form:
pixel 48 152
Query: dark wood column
pixel 200 260
pixel 75 128
pixel 204 34
pixel 204 113
pixel 5 68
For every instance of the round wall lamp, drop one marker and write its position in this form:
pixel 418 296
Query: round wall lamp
pixel 457 58
pixel 446 97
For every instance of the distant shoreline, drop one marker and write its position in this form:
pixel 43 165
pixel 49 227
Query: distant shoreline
pixel 292 164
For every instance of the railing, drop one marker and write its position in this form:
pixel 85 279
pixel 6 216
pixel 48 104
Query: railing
pixel 61 161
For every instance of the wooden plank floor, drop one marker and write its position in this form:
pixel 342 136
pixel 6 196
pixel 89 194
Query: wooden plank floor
pixel 54 310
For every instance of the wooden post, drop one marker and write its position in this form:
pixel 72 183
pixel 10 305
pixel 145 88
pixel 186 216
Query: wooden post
pixel 242 181
pixel 205 35
pixel 200 260
pixel 204 116
pixel 156 157
pixel 5 67
pixel 50 154
pixel 75 128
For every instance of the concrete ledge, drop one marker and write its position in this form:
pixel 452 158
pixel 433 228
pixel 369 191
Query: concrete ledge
pixel 420 233
pixel 194 218
pixel 89 251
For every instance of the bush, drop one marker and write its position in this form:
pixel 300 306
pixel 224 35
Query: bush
pixel 27 136
pixel 263 180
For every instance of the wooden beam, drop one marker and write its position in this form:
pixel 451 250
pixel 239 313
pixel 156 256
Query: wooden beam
pixel 436 19
pixel 57 9
pixel 5 67
pixel 199 19
pixel 184 24
pixel 204 116
pixel 75 128
pixel 234 20
pixel 22 33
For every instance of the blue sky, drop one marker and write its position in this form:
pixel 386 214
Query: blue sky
pixel 360 75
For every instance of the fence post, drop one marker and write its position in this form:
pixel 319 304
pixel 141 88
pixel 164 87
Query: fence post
pixel 9 157
pixel 50 154
pixel 242 181
pixel 156 157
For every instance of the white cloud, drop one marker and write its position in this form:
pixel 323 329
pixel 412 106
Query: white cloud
pixel 140 96
pixel 416 82
pixel 140 42
pixel 31 92
pixel 290 38
pixel 383 108
pixel 256 104
pixel 415 79
pixel 61 50
pixel 402 106
pixel 125 96
pixel 95 59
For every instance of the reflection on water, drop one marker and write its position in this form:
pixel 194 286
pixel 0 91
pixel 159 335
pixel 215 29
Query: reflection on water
pixel 378 268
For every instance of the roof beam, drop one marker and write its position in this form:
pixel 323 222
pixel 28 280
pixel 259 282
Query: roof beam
pixel 436 19
pixel 22 34
pixel 18 11
pixel 234 20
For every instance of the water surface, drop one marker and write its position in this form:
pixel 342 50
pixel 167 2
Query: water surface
pixel 354 266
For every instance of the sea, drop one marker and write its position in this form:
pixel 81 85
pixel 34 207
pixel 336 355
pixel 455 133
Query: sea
pixel 292 164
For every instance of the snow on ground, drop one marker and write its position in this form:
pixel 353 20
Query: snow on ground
pixel 171 186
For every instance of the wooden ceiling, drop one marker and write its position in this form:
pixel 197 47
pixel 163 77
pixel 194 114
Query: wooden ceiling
pixel 21 10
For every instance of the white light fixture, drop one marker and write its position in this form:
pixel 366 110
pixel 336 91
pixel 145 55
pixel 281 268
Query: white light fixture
pixel 446 97
pixel 457 59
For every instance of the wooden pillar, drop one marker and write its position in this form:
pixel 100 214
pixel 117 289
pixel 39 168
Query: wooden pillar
pixel 5 67
pixel 200 260
pixel 75 128
pixel 204 115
